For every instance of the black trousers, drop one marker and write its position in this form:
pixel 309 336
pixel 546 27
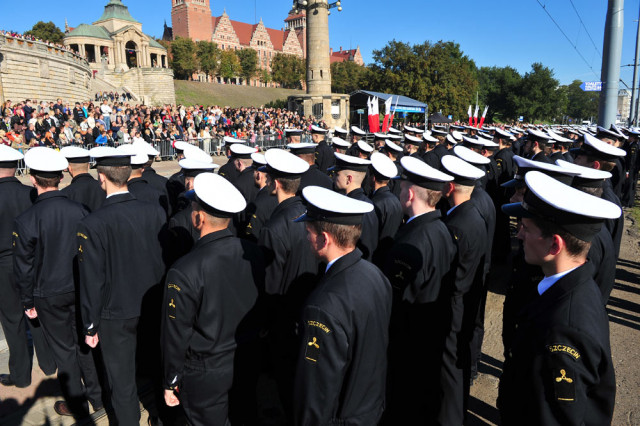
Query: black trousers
pixel 58 317
pixel 15 325
pixel 629 189
pixel 118 346
pixel 204 394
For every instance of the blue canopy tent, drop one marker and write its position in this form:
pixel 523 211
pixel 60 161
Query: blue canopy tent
pixel 399 104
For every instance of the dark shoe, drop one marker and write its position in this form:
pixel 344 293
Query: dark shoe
pixel 62 408
pixel 5 380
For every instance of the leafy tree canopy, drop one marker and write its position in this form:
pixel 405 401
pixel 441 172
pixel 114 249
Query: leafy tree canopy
pixel 288 70
pixel 184 62
pixel 47 31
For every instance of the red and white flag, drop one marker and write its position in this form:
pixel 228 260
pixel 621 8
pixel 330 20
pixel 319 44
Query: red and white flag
pixel 374 115
pixel 469 114
pixel 475 116
pixel 387 114
pixel 484 114
pixel 393 113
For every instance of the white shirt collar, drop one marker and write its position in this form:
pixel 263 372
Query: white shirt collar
pixel 413 217
pixel 117 193
pixel 330 264
pixel 547 282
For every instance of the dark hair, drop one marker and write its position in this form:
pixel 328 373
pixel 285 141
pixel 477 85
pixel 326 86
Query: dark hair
pixel 289 185
pixel 345 236
pixel 118 175
pixel 575 246
pixel 47 182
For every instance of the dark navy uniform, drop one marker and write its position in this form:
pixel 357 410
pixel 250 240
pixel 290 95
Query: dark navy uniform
pixel 568 157
pixel 631 166
pixel 558 368
pixel 618 177
pixel 420 269
pixel 291 275
pixel 324 156
pixel 505 172
pixel 121 263
pixel 542 157
pixel 229 171
pixel 615 226
pixel 557 155
pixel 175 187
pixel 44 265
pixel 394 184
pixel 246 184
pixel 314 177
pixel 159 182
pixel 389 212
pixel 368 241
pixel 182 232
pixel 432 159
pixel 144 191
pixel 15 198
pixel 259 213
pixel 468 228
pixel 602 260
pixel 85 190
pixel 209 297
pixel 341 372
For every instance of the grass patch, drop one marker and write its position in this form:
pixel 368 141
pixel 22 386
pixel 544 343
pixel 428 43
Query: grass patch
pixel 197 93
pixel 635 215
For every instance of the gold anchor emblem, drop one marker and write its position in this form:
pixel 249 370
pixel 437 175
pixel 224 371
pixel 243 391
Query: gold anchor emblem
pixel 313 343
pixel 171 304
pixel 564 377
pixel 80 249
pixel 399 276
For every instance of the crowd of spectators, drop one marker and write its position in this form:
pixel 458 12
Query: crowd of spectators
pixel 31 38
pixel 55 124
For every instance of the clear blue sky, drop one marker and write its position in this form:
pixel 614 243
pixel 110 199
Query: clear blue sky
pixel 493 32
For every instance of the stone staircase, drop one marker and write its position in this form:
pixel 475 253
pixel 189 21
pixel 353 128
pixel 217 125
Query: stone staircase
pixel 99 84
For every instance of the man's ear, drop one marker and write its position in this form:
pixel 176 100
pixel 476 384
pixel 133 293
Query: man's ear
pixel 324 239
pixel 596 165
pixel 557 244
pixel 448 189
pixel 33 180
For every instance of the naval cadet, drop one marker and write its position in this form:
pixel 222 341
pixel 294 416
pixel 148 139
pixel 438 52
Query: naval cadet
pixel 349 175
pixel 355 135
pixel 340 145
pixel 83 188
pixel 229 170
pixel 209 297
pixel 378 140
pixel 175 183
pixel 184 235
pixel 15 198
pixel 291 268
pixel 466 224
pixel 260 210
pixel 558 369
pixel 342 360
pixel 394 152
pixel 413 146
pixel 597 154
pixel 120 256
pixel 429 155
pixel 339 132
pixel 150 175
pixel 487 209
pixel 45 260
pixel 241 156
pixel 324 153
pixel 631 167
pixel 138 185
pixel 386 205
pixel 420 269
pixel 293 135
pixel 504 173
pixel 614 138
pixel 535 146
pixel 313 176
pixel 601 255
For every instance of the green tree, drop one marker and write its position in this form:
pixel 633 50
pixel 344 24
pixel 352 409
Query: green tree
pixel 347 77
pixel 581 105
pixel 540 96
pixel 47 31
pixel 208 56
pixel 439 74
pixel 264 76
pixel 500 89
pixel 248 63
pixel 184 62
pixel 288 70
pixel 229 64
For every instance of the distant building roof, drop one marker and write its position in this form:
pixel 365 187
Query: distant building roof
pixel 153 43
pixel 84 30
pixel 343 55
pixel 116 10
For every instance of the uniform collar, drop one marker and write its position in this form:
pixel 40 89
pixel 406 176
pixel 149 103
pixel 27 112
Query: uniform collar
pixel 81 176
pixel 118 198
pixel 547 282
pixel 50 194
pixel 9 179
pixel 214 236
pixel 356 193
pixel 343 263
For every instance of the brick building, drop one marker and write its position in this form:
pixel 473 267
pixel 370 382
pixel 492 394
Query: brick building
pixel 193 19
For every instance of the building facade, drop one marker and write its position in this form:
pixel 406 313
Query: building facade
pixel 189 20
pixel 122 57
